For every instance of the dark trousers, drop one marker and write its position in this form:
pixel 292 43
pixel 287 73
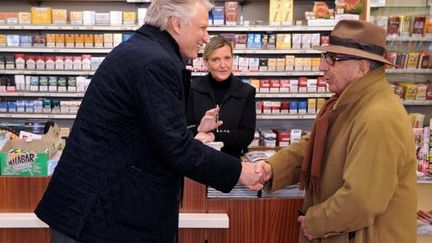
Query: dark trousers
pixel 58 237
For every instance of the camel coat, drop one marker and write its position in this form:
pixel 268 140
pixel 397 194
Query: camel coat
pixel 368 183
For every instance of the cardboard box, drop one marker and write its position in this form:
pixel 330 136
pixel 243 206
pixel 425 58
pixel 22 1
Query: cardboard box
pixel 31 158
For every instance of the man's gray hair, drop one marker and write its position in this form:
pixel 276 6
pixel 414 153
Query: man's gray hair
pixel 159 11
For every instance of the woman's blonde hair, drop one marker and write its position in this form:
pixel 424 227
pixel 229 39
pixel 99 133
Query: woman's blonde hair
pixel 216 43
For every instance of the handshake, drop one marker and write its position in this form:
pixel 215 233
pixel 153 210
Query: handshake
pixel 255 175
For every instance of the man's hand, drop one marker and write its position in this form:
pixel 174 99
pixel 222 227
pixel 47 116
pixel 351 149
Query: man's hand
pixel 209 122
pixel 249 177
pixel 205 137
pixel 266 170
pixel 303 229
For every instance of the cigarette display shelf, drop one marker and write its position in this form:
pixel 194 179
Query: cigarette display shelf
pixel 409 38
pixel 269 73
pixel 212 28
pixel 67 27
pixel 101 50
pixel 91 72
pixel 43 94
pixel 293 95
pixel 47 72
pixel 24 49
pixel 285 116
pixel 414 71
pixel 17 115
pixel 417 102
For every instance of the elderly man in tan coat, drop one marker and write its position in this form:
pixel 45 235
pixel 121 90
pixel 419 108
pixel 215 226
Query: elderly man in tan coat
pixel 358 164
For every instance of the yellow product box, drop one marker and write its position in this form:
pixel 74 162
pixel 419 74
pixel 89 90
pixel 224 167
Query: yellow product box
pixel 280 64
pixel 88 40
pixel 279 41
pixel 287 12
pixel 79 40
pixel 421 92
pixel 41 15
pixel 108 40
pixel 312 102
pixel 255 83
pixel 59 16
pixel 60 40
pixel 271 64
pixel 76 17
pixel 129 18
pixel 281 12
pixel 275 12
pixel 24 18
pixel 3 40
pixel 410 91
pixel 289 62
pixel 283 41
pixel 50 40
pixel 307 63
pixel 316 63
pixel 298 63
pixel 98 40
pixel 413 60
pixel 320 103
pixel 70 40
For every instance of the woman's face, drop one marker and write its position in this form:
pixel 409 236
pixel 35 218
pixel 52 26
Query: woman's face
pixel 220 63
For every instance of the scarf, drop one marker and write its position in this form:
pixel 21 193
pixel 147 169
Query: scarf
pixel 311 168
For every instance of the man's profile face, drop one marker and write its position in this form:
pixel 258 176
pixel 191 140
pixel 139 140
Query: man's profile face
pixel 338 75
pixel 193 36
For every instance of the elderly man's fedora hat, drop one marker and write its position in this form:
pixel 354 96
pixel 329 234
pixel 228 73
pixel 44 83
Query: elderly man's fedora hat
pixel 357 38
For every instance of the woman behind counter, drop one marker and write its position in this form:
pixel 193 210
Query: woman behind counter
pixel 235 99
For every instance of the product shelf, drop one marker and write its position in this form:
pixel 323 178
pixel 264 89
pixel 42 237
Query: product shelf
pixel 24 49
pixel 37 115
pixel 42 94
pixel 421 71
pixel 293 95
pixel 285 117
pixel 66 27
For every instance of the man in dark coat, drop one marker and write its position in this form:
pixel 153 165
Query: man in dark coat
pixel 121 173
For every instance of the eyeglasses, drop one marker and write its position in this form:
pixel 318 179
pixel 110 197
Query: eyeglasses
pixel 331 59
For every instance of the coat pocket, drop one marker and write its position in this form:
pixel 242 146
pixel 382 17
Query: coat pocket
pixel 146 203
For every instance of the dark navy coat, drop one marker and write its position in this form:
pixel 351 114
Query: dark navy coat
pixel 119 178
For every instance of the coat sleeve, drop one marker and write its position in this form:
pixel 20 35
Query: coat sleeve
pixel 375 154
pixel 241 136
pixel 286 165
pixel 159 92
pixel 192 123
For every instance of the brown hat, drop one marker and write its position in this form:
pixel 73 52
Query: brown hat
pixel 357 38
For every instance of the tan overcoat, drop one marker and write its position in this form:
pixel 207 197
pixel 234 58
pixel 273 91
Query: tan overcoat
pixel 368 182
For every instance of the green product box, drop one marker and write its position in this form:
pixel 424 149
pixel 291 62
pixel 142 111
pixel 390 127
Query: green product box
pixel 30 158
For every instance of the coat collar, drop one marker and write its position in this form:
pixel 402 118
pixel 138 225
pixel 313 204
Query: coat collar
pixel 235 88
pixel 161 36
pixel 362 87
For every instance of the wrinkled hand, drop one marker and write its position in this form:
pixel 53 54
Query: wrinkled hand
pixel 303 229
pixel 205 137
pixel 249 177
pixel 266 170
pixel 208 121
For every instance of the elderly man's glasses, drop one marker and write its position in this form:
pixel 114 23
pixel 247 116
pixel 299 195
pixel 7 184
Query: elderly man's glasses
pixel 331 59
